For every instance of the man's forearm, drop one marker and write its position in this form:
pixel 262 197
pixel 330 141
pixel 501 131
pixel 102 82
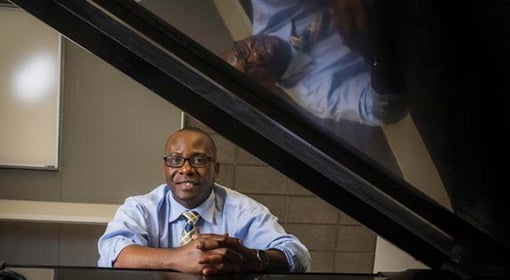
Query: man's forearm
pixel 136 256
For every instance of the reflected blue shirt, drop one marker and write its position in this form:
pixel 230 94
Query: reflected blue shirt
pixel 329 80
pixel 155 220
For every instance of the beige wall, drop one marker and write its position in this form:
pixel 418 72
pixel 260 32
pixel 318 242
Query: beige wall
pixel 111 147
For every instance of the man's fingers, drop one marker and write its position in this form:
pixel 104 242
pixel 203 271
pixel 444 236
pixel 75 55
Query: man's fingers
pixel 210 235
pixel 213 241
pixel 208 244
pixel 223 268
pixel 219 256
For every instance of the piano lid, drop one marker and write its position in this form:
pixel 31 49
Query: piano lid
pixel 440 67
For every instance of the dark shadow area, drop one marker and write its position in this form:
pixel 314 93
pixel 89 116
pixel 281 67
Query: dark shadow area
pixel 448 60
pixel 453 59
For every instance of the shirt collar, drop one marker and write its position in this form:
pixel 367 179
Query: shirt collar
pixel 299 63
pixel 299 66
pixel 205 210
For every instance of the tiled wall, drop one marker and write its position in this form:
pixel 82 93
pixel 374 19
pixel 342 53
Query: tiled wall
pixel 336 242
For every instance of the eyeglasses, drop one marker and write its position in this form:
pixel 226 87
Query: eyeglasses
pixel 242 51
pixel 177 161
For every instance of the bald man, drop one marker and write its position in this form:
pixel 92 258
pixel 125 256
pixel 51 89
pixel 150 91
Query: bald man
pixel 194 225
pixel 297 52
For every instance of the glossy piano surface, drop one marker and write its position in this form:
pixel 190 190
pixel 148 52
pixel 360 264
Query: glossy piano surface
pixel 85 273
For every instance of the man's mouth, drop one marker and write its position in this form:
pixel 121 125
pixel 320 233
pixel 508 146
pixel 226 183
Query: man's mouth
pixel 187 183
pixel 264 51
pixel 266 48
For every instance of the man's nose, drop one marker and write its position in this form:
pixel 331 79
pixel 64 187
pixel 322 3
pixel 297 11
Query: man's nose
pixel 258 53
pixel 254 56
pixel 186 168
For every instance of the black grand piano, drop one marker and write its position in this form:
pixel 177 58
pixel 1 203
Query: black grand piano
pixel 449 60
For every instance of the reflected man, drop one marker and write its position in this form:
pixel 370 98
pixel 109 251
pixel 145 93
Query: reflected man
pixel 297 48
pixel 192 224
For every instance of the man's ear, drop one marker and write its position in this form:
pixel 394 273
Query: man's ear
pixel 216 170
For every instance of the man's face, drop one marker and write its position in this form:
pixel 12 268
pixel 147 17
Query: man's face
pixel 263 58
pixel 190 185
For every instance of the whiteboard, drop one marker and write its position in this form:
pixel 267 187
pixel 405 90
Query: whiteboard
pixel 30 65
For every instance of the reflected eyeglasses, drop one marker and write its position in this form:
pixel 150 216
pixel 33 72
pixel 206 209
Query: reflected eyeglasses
pixel 177 161
pixel 242 51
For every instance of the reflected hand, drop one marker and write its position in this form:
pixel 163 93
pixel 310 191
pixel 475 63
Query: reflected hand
pixel 351 20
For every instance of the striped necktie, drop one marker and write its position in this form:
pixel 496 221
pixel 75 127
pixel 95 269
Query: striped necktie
pixel 190 229
pixel 318 27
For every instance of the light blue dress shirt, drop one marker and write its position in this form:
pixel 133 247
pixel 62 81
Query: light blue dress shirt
pixel 329 80
pixel 155 220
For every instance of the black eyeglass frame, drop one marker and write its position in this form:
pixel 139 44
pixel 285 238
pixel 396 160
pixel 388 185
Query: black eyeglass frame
pixel 242 51
pixel 190 160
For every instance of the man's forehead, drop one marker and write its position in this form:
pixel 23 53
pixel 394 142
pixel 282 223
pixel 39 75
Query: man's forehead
pixel 185 140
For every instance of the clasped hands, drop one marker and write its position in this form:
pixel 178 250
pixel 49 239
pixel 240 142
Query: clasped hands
pixel 210 254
